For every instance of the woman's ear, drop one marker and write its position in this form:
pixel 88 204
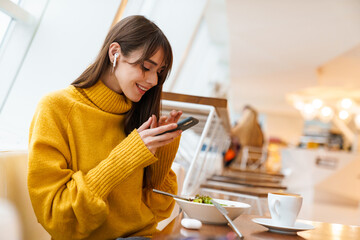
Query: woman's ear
pixel 113 49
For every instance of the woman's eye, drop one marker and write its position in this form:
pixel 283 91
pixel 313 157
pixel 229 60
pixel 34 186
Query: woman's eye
pixel 145 69
pixel 160 72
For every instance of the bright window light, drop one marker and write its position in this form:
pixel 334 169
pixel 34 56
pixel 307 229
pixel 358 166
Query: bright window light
pixel 4 24
pixel 16 1
pixel 19 21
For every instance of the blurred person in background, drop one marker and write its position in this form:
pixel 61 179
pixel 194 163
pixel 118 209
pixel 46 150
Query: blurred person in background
pixel 95 152
pixel 246 133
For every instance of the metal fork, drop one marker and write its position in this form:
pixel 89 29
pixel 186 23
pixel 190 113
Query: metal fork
pixel 224 212
pixel 171 195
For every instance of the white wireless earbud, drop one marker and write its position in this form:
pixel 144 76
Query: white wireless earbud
pixel 115 57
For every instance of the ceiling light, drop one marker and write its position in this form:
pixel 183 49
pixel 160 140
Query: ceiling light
pixel 308 112
pixel 346 103
pixel 299 105
pixel 326 114
pixel 343 115
pixel 317 103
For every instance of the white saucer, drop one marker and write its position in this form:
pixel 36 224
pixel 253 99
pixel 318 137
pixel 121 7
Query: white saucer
pixel 298 226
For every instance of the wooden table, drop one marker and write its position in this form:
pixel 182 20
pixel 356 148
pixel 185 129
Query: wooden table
pixel 253 231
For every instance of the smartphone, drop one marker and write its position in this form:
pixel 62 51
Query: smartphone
pixel 184 124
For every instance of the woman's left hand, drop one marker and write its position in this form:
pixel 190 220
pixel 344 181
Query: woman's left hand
pixel 151 130
pixel 173 117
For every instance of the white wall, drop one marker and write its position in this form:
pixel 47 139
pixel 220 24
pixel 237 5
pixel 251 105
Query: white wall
pixel 178 20
pixel 289 128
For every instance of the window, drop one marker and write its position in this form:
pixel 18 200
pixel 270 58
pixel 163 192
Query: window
pixel 4 24
pixel 19 21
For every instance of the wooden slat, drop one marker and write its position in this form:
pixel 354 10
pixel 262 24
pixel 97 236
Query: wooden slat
pixel 248 183
pixel 259 192
pixel 216 102
pixel 255 179
pixel 256 172
pixel 252 177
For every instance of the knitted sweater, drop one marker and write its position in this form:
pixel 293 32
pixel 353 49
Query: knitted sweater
pixel 85 176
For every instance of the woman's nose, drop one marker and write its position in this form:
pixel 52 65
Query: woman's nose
pixel 153 79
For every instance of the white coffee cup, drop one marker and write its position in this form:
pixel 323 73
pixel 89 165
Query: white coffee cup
pixel 284 208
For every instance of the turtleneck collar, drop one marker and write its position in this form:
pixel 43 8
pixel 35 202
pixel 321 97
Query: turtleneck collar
pixel 106 99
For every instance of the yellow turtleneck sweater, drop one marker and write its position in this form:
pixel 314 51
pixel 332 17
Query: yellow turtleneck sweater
pixel 85 176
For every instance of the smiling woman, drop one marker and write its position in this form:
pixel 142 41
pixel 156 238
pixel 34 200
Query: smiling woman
pixel 97 142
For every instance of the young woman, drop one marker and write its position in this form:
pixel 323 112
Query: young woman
pixel 95 152
pixel 247 133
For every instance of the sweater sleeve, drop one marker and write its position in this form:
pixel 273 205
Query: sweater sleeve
pixel 164 179
pixel 69 204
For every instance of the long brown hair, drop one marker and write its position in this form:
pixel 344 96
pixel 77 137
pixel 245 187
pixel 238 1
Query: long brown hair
pixel 248 130
pixel 133 33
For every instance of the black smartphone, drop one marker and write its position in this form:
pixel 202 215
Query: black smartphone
pixel 184 124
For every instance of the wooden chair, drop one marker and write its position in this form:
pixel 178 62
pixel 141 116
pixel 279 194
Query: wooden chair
pixel 14 189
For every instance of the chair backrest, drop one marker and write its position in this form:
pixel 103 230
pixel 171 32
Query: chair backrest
pixel 253 158
pixel 10 225
pixel 13 187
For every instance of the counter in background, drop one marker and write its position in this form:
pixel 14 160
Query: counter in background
pixel 310 172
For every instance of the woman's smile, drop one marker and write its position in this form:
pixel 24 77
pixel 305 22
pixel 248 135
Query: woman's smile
pixel 142 89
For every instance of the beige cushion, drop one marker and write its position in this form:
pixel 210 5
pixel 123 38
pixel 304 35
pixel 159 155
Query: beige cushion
pixel 13 186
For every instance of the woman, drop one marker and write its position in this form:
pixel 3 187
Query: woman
pixel 247 133
pixel 95 154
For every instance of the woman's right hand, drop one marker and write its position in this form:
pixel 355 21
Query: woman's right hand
pixel 149 130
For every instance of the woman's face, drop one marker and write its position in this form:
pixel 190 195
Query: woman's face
pixel 134 80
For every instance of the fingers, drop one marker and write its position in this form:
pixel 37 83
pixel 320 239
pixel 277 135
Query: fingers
pixel 178 115
pixel 153 142
pixel 161 140
pixel 162 143
pixel 145 125
pixel 161 129
pixel 173 117
pixel 154 121
pixel 162 120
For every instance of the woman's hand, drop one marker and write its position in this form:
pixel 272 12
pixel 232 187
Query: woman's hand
pixel 173 118
pixel 149 130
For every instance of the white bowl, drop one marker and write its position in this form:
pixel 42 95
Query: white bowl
pixel 208 213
